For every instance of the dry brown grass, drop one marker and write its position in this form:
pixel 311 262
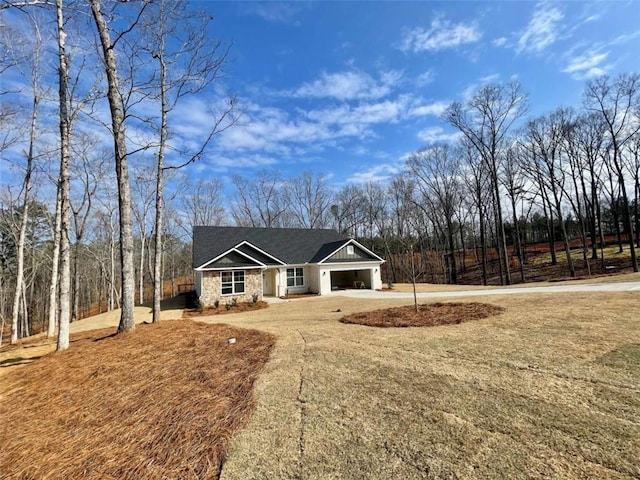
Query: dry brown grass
pixel 430 315
pixel 160 402
pixel 548 389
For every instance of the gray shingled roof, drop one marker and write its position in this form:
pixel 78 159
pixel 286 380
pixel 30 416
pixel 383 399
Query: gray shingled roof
pixel 291 245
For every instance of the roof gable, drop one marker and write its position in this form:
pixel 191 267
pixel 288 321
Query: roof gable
pixel 232 258
pixel 349 251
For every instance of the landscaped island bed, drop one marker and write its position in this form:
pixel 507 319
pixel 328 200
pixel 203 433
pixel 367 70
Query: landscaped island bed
pixel 160 402
pixel 428 315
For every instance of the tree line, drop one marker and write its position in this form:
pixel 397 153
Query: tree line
pixel 93 228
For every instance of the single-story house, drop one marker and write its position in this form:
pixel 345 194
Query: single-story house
pixel 248 263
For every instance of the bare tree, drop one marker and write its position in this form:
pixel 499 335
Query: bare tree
pixel 618 102
pixel 26 184
pixel 187 63
pixel 201 202
pixel 545 148
pixel 436 171
pixel 309 198
pixel 259 202
pixel 114 96
pixel 485 121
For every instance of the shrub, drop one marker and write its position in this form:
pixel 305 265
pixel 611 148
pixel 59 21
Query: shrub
pixel 390 285
pixel 216 303
pixel 234 302
pixel 254 298
pixel 228 306
pixel 199 306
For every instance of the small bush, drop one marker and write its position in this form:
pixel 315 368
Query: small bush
pixel 199 306
pixel 216 303
pixel 234 302
pixel 390 285
pixel 254 298
pixel 228 306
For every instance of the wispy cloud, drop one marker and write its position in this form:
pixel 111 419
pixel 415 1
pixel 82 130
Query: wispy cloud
pixel 272 11
pixel 350 85
pixel 499 42
pixel 442 34
pixel 437 134
pixel 379 173
pixel 542 31
pixel 587 65
pixel 425 78
pixel 435 108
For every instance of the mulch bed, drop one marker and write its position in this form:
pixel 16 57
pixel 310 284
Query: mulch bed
pixel 428 315
pixel 160 402
pixel 223 310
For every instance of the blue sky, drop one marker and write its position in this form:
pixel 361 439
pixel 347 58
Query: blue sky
pixel 348 89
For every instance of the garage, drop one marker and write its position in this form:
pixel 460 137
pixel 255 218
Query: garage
pixel 343 279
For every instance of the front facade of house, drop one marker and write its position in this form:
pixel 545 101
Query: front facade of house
pixel 246 264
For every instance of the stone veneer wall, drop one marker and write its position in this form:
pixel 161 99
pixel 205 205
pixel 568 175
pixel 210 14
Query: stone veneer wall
pixel 212 288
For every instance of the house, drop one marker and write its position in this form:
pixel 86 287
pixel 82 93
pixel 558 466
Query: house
pixel 246 263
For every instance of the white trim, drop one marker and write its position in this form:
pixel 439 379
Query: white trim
pixel 233 249
pixel 348 242
pixel 246 242
pixel 231 268
pixel 368 263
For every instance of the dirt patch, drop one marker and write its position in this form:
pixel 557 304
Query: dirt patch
pixel 429 315
pixel 224 309
pixel 160 402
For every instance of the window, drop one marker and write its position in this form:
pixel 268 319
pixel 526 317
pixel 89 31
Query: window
pixel 295 277
pixel 350 250
pixel 232 282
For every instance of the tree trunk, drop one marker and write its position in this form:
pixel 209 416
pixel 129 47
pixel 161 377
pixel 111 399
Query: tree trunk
pixel 55 263
pixel 65 224
pixel 157 259
pixel 518 241
pixel 483 246
pixel 114 96
pixel 26 187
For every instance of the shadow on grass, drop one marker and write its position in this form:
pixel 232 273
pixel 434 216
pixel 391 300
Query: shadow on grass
pixel 627 356
pixel 12 362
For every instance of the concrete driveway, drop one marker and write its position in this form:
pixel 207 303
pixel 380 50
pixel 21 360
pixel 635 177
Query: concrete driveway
pixel 584 287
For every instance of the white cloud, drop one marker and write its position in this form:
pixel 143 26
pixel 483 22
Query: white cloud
pixel 500 42
pixel 351 85
pixel 587 65
pixel 437 134
pixel 442 34
pixel 436 109
pixel 425 78
pixel 542 30
pixel 379 173
pixel 272 11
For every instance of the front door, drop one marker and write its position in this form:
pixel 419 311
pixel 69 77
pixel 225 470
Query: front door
pixel 267 283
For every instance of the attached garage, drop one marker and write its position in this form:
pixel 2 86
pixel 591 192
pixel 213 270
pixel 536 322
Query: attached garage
pixel 341 279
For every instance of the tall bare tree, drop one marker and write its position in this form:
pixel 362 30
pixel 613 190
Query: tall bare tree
pixel 27 185
pixel 485 120
pixel 618 102
pixel 114 96
pixel 437 171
